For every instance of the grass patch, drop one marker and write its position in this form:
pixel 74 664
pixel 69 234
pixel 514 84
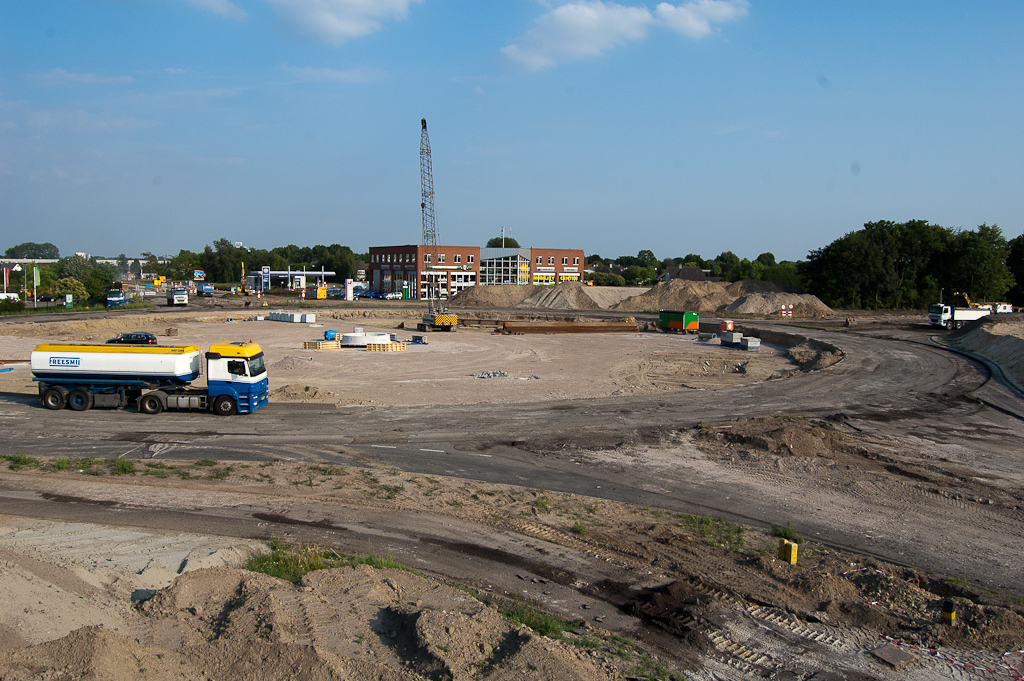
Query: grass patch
pixel 61 464
pixel 206 462
pixel 787 532
pixel 291 562
pixel 526 614
pixel 390 491
pixel 579 529
pixel 714 531
pixel 20 460
pixel 222 474
pixel 123 467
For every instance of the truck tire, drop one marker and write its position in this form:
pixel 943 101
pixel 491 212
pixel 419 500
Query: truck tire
pixel 950 325
pixel 959 325
pixel 79 399
pixel 53 398
pixel 224 406
pixel 150 404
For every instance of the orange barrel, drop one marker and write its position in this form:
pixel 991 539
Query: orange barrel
pixel 726 325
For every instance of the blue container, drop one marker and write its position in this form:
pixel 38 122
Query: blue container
pixel 330 335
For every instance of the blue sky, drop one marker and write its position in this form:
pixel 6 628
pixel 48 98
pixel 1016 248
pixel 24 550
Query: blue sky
pixel 693 127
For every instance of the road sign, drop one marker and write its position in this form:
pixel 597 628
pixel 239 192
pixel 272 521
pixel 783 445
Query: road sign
pixel 198 275
pixel 266 277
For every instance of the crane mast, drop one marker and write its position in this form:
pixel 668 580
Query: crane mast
pixel 427 206
pixel 437 317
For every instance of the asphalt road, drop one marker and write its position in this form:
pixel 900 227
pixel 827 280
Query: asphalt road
pixel 890 383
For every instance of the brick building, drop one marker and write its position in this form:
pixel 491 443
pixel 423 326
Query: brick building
pixel 394 268
pixel 410 267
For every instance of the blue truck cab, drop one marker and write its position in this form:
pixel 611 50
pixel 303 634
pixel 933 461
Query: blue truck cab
pixel 236 377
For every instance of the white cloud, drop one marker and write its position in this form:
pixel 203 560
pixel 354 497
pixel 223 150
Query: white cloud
pixel 694 19
pixel 309 74
pixel 589 28
pixel 62 77
pixel 225 8
pixel 335 21
pixel 579 29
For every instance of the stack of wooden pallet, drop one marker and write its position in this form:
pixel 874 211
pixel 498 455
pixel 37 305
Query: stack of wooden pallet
pixel 385 347
pixel 321 345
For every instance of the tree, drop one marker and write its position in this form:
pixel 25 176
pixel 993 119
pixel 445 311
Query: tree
pixel 72 286
pixel 29 250
pixel 904 265
pixel 646 259
pixel 496 242
pixel 99 280
pixel 73 267
pixel 980 263
pixel 605 279
pixel 1015 262
pixel 767 259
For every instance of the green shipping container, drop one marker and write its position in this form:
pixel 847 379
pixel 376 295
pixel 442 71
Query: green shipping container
pixel 678 322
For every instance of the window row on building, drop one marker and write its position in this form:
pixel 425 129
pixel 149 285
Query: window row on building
pixel 450 269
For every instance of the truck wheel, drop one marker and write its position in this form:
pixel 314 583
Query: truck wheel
pixel 79 399
pixel 150 404
pixel 949 325
pixel 959 325
pixel 53 399
pixel 224 406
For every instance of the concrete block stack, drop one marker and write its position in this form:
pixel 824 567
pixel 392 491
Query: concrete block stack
pixel 293 317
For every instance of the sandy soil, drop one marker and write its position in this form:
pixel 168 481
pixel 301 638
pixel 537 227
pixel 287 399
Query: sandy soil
pixel 96 601
pixel 539 367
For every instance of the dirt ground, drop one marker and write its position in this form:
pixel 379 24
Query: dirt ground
pixel 539 367
pixel 691 595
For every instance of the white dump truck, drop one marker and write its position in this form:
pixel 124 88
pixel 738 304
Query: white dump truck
pixel 154 377
pixel 953 317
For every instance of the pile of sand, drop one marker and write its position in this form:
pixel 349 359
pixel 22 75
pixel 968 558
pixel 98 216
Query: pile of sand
pixel 346 623
pixel 748 297
pixel 568 296
pixel 679 294
pixel 493 296
pixel 769 303
pixel 1000 339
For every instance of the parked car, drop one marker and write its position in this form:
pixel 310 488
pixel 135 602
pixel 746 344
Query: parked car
pixel 45 298
pixel 394 295
pixel 137 338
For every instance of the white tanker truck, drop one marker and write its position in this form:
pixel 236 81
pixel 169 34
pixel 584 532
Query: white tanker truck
pixel 80 376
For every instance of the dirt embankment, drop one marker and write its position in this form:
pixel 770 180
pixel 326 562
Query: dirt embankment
pixel 748 298
pixel 753 298
pixel 719 599
pixel 999 339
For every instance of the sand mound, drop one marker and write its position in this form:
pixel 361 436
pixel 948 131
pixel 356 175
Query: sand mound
pixel 493 296
pixel 679 294
pixel 569 296
pixel 749 297
pixel 345 623
pixel 804 305
pixel 1000 339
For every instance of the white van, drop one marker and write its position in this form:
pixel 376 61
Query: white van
pixel 10 296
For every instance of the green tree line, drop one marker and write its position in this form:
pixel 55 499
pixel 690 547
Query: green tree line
pixel 222 262
pixel 884 265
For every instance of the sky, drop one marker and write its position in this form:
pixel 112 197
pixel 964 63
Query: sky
pixel 700 127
